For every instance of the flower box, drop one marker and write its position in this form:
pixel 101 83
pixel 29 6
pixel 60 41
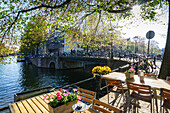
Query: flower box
pixel 65 108
pixel 129 75
pixel 101 70
pixel 62 100
pixel 96 74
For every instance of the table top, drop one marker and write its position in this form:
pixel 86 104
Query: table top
pixel 154 83
pixel 35 105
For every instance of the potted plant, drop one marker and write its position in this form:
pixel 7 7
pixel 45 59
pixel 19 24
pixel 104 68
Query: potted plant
pixel 130 73
pixel 101 70
pixel 62 101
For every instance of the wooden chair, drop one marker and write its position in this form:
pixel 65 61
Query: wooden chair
pixel 168 78
pixel 139 92
pixel 155 75
pixel 87 95
pixel 117 88
pixel 104 108
pixel 165 99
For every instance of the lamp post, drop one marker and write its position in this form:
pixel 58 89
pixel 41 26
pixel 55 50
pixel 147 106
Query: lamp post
pixel 135 39
pixel 111 43
pixel 111 49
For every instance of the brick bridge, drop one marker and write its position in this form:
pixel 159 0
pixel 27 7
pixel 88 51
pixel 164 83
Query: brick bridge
pixel 68 62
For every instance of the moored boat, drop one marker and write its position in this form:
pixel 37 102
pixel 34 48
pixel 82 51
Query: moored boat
pixel 28 94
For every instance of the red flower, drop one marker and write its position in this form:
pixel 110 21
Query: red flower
pixel 59 96
pixel 60 89
pixel 79 98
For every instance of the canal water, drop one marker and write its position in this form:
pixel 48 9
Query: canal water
pixel 19 77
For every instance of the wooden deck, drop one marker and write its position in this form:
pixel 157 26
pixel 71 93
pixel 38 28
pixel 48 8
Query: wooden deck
pixel 141 107
pixel 38 105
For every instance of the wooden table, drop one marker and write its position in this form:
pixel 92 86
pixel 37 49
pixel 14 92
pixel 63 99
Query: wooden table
pixel 154 83
pixel 34 105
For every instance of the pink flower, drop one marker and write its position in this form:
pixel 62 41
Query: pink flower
pixel 58 93
pixel 74 89
pixel 65 94
pixel 60 89
pixel 59 96
pixel 45 97
pixel 64 90
pixel 51 95
pixel 131 69
pixel 79 98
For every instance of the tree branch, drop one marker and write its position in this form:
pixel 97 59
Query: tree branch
pixel 98 23
pixel 118 11
pixel 31 9
pixel 111 10
pixel 83 17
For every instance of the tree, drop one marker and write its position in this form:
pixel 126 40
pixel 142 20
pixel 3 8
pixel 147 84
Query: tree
pixel 165 71
pixel 71 14
pixel 154 48
pixel 35 33
pixel 68 13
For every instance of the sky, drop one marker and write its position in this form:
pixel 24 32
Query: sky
pixel 140 29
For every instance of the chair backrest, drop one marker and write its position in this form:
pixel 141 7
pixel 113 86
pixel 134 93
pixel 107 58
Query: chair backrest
pixel 87 95
pixel 105 108
pixel 113 82
pixel 144 89
pixel 168 78
pixel 165 93
pixel 151 75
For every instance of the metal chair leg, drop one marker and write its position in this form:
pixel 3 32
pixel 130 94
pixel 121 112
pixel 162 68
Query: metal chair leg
pixel 119 100
pixel 108 98
pixel 160 109
pixel 108 95
pixel 129 102
pixel 151 106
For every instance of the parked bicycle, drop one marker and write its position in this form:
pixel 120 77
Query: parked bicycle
pixel 148 65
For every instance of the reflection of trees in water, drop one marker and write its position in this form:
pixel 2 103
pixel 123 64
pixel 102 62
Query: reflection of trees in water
pixel 33 77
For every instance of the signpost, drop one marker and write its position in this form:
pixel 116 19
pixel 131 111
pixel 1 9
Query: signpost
pixel 149 35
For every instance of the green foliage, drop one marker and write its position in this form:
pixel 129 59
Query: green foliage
pixel 34 34
pixel 5 51
pixel 87 19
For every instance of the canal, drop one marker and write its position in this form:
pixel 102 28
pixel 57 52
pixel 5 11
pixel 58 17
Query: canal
pixel 19 77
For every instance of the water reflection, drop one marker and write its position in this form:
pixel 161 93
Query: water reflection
pixel 18 77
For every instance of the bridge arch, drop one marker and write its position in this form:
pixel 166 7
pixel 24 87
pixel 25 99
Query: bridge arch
pixel 52 64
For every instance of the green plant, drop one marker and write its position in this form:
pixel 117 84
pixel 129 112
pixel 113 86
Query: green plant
pixel 62 97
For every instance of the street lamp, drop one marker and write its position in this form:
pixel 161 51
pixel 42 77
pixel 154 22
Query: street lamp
pixel 111 44
pixel 136 39
pixel 111 56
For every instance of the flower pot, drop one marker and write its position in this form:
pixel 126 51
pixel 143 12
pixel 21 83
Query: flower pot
pixel 65 108
pixel 94 74
pixel 129 75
